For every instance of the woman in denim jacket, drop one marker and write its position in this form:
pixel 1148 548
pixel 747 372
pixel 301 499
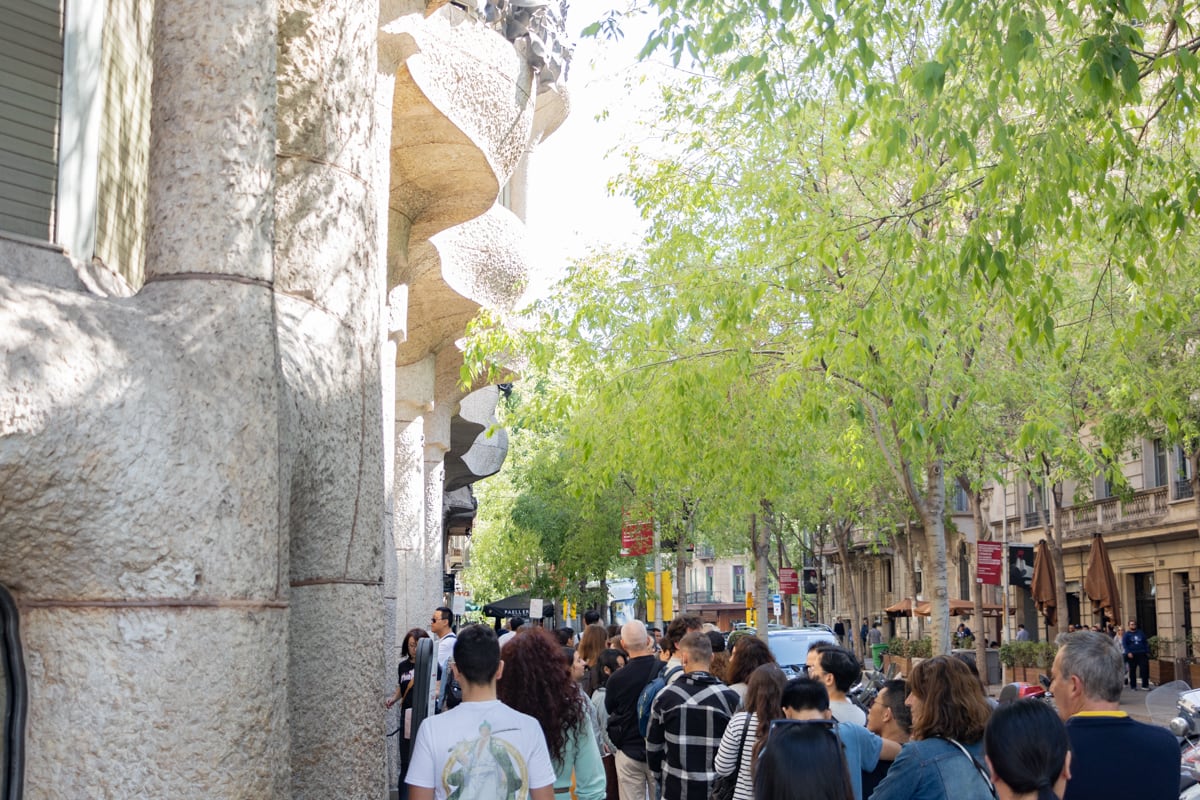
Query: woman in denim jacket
pixel 945 757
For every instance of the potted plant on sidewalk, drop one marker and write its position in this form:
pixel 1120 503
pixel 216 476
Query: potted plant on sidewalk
pixel 1162 660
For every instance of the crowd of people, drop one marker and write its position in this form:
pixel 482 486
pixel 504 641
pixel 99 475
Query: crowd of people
pixel 625 714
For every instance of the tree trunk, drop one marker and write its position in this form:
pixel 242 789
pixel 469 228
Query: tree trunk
pixel 761 540
pixel 841 540
pixel 1056 550
pixel 933 517
pixel 681 565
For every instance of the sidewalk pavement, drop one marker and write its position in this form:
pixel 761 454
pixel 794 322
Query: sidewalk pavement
pixel 1133 703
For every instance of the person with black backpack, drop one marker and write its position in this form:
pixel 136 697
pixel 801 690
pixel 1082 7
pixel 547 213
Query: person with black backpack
pixel 634 780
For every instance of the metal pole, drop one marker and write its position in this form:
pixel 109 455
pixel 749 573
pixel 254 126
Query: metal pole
pixel 658 601
pixel 1004 566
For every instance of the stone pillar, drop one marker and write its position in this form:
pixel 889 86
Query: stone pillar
pixel 329 284
pixel 212 142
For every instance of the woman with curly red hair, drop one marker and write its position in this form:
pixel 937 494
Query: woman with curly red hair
pixel 536 680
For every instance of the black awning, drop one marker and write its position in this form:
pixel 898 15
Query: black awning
pixel 515 606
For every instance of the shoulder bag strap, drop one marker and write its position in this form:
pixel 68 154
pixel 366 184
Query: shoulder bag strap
pixel 737 770
pixel 987 780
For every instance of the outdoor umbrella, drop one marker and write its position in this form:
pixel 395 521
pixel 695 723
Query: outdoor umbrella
pixel 1043 583
pixel 902 609
pixel 1100 582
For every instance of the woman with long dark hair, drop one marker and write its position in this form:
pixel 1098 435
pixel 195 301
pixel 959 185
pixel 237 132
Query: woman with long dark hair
pixel 802 760
pixel 747 730
pixel 1028 752
pixel 536 680
pixel 944 759
pixel 405 677
pixel 749 653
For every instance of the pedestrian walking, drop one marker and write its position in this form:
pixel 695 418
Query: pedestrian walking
pixel 862 635
pixel 1137 655
pixel 1022 634
pixel 839 630
pixel 534 682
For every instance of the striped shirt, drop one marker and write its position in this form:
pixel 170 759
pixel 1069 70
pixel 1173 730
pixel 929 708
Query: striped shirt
pixel 687 721
pixel 742 724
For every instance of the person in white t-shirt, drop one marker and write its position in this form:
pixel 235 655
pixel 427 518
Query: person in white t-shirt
pixel 440 625
pixel 836 669
pixel 481 749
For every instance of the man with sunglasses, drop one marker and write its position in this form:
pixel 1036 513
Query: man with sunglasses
pixel 805 700
pixel 889 717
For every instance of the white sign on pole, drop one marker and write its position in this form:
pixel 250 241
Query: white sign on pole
pixel 777 601
pixel 535 609
pixel 459 604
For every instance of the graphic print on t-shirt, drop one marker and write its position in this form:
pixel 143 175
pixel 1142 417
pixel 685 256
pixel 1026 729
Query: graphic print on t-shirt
pixel 485 768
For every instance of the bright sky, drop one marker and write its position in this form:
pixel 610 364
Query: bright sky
pixel 569 209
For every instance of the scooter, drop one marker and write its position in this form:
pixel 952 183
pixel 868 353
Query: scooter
pixel 1018 690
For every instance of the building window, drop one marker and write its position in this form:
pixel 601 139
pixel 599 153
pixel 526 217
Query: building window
pixel 12 681
pixel 1159 470
pixel 960 503
pixel 1183 474
pixel 1103 487
pixel 739 582
pixel 1034 502
pixel 887 576
pixel 708 581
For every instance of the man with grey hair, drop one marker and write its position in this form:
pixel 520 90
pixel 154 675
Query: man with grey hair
pixel 1113 756
pixel 634 779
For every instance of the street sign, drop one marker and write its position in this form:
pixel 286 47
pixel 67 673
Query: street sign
pixel 777 603
pixel 991 561
pixel 789 581
pixel 637 537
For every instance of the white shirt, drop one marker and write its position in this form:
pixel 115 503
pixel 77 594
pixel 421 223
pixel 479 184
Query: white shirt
pixel 845 711
pixel 446 649
pixel 485 751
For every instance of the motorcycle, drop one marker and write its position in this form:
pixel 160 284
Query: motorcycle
pixel 1177 706
pixel 1019 690
pixel 863 693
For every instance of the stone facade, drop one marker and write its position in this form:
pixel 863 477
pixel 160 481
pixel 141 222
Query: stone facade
pixel 1151 536
pixel 223 489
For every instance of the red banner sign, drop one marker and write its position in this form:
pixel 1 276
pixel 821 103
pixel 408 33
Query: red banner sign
pixel 789 581
pixel 637 538
pixel 991 561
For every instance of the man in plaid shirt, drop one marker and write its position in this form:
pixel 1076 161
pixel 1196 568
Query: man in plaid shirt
pixel 686 723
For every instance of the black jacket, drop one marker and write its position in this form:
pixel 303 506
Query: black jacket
pixel 620 700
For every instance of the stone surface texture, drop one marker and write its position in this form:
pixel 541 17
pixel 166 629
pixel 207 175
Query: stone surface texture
pixel 222 495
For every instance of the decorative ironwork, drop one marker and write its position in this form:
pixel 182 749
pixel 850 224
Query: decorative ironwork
pixel 538 29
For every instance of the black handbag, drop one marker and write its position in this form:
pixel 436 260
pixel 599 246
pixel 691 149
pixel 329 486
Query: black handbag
pixel 724 786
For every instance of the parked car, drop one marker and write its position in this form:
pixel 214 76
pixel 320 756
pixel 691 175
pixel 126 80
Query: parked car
pixel 790 647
